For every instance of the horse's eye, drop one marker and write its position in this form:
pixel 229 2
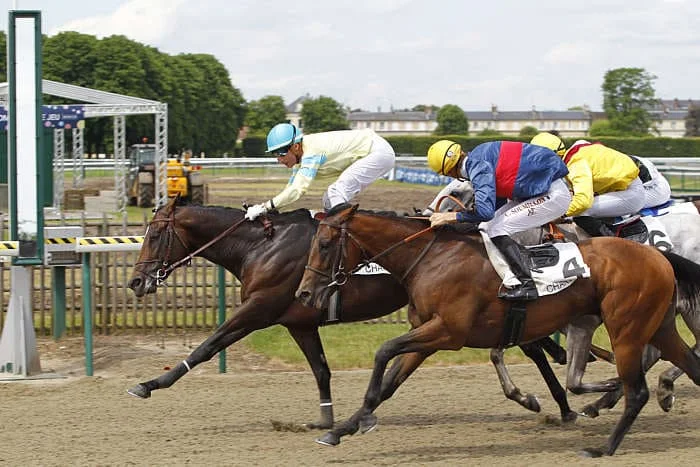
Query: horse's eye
pixel 323 245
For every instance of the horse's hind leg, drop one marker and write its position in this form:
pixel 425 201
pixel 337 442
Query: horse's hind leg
pixel 674 349
pixel 610 399
pixel 510 390
pixel 534 351
pixel 664 393
pixel 629 367
pixel 310 344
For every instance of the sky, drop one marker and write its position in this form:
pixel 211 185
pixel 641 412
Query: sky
pixel 383 54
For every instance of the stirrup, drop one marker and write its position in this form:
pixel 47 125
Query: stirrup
pixel 519 292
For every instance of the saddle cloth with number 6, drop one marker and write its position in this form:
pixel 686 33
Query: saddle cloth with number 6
pixel 554 266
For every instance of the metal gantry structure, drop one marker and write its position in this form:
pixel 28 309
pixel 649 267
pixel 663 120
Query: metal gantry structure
pixel 106 104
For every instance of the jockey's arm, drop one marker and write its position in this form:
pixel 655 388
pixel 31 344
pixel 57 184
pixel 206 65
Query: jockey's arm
pixel 483 181
pixel 581 179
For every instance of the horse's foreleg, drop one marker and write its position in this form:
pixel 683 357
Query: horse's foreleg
pixel 534 351
pixel 510 390
pixel 310 344
pixel 423 340
pixel 225 335
pixel 578 346
pixel 555 350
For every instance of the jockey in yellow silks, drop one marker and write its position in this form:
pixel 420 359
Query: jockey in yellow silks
pixel 605 182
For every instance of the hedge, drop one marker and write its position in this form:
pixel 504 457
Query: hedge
pixel 418 145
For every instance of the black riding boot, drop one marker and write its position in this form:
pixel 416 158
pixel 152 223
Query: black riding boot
pixel 519 263
pixel 594 226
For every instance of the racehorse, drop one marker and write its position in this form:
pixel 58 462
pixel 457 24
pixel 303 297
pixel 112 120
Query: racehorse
pixel 269 270
pixel 683 229
pixel 453 288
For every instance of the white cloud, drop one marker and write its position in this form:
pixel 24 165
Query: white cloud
pixel 580 53
pixel 401 53
pixel 141 21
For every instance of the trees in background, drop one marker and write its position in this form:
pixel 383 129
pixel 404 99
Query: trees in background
pixel 205 110
pixel 692 121
pixel 628 95
pixel 265 113
pixel 323 114
pixel 451 120
pixel 528 131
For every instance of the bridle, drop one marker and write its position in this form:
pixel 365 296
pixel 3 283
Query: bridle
pixel 338 276
pixel 166 268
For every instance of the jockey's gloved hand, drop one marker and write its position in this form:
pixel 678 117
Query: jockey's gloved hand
pixel 427 211
pixel 255 211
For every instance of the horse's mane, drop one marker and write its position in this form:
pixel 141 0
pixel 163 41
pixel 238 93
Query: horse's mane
pixel 291 217
pixel 471 230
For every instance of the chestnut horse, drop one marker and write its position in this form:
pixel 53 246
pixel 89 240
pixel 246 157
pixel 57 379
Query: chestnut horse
pixel 453 289
pixel 270 270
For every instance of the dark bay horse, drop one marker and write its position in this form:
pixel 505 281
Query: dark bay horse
pixel 269 270
pixel 453 289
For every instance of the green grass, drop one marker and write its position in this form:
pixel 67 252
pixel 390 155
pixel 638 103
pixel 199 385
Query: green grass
pixel 353 345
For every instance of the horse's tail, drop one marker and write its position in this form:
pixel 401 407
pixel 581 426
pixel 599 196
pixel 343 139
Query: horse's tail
pixel 687 277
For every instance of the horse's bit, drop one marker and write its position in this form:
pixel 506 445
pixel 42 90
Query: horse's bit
pixel 339 277
pixel 166 268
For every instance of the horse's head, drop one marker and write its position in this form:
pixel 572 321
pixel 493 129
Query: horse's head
pixel 330 259
pixel 164 244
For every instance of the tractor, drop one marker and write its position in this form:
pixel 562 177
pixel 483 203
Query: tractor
pixel 183 179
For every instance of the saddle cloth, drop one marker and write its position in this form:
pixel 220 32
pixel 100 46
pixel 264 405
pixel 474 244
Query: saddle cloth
pixel 556 266
pixel 647 230
pixel 681 208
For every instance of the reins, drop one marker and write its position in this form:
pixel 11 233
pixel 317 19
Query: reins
pixel 167 269
pixel 339 277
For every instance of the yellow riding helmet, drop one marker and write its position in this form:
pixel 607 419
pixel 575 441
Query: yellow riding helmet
pixel 443 156
pixel 550 141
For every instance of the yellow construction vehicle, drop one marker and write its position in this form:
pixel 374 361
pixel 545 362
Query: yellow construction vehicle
pixel 183 179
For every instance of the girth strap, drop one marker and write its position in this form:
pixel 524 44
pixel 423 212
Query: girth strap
pixel 514 323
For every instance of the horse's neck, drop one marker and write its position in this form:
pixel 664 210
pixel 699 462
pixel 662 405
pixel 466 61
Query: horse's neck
pixel 227 251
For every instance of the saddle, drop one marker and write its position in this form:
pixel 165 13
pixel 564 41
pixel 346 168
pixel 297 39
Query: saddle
pixel 631 228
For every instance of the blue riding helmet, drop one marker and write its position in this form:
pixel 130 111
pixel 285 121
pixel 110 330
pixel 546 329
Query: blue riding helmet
pixel 283 135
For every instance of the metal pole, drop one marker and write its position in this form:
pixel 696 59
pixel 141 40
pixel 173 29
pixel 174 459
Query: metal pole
pixel 58 277
pixel 222 313
pixel 87 313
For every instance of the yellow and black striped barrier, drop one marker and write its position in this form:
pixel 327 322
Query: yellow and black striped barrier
pixel 98 244
pixel 9 248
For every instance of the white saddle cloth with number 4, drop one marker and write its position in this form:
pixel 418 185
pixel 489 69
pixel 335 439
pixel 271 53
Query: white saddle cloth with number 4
pixel 556 266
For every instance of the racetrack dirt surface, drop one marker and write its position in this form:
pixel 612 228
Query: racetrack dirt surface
pixel 441 416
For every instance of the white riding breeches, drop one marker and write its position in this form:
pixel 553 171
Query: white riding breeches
pixel 516 216
pixel 618 203
pixel 657 191
pixel 361 173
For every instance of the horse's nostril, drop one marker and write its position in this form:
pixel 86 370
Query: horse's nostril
pixel 134 283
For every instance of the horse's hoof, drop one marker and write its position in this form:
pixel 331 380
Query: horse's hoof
pixel 329 439
pixel 569 417
pixel 590 411
pixel 591 452
pixel 666 402
pixel 140 391
pixel 532 403
pixel 368 423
